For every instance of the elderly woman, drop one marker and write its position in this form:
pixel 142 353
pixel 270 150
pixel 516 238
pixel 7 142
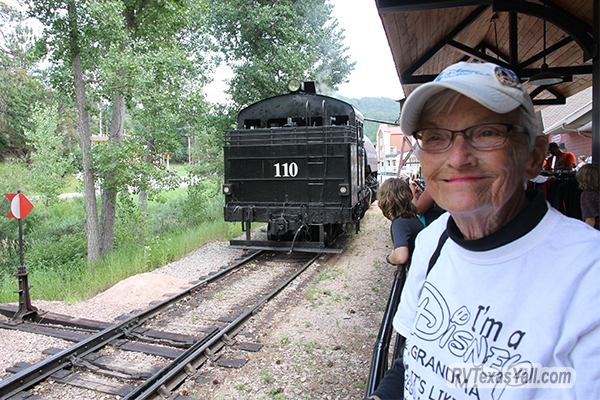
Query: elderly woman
pixel 502 288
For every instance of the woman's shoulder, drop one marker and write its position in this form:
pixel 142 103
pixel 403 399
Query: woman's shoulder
pixel 432 232
pixel 592 194
pixel 440 223
pixel 574 232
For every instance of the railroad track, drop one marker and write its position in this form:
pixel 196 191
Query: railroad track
pixel 179 334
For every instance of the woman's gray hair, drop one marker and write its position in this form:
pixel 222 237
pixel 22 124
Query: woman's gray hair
pixel 447 98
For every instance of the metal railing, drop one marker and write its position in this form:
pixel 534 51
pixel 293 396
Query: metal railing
pixel 381 351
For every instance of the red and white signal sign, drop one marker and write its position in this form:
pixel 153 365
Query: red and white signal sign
pixel 19 205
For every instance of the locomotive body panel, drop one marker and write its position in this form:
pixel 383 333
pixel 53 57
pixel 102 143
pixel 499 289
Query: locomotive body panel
pixel 296 162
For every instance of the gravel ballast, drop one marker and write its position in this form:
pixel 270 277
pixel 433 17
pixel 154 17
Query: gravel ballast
pixel 317 336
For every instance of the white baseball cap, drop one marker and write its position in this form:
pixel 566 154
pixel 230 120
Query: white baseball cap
pixel 494 87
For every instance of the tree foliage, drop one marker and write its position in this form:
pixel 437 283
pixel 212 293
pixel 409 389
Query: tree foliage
pixel 19 88
pixel 143 57
pixel 266 43
pixel 123 161
pixel 378 108
pixel 49 162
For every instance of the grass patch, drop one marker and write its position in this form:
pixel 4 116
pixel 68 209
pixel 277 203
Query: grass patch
pixel 266 376
pixel 277 394
pixel 242 388
pixel 313 294
pixel 55 244
pixel 360 385
pixel 311 346
pixel 285 339
pixel 322 276
pixel 81 283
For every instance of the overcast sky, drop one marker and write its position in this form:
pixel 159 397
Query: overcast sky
pixel 375 73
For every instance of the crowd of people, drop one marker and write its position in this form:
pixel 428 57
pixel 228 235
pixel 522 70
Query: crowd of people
pixel 500 285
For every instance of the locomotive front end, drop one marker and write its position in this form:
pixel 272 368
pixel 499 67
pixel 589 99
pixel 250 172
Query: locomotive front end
pixel 296 162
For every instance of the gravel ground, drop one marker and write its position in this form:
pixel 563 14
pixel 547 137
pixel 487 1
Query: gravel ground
pixel 317 336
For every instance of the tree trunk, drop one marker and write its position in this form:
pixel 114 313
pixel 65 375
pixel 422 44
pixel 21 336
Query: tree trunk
pixel 109 196
pixel 143 199
pixel 83 126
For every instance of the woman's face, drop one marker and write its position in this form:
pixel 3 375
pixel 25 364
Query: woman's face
pixel 475 182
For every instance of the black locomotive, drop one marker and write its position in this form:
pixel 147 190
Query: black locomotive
pixel 300 163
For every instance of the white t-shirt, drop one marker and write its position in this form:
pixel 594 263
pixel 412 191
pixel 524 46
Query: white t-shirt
pixel 533 297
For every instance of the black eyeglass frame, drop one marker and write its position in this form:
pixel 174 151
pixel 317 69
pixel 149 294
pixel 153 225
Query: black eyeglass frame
pixel 511 128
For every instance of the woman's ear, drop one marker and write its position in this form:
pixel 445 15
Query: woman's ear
pixel 538 155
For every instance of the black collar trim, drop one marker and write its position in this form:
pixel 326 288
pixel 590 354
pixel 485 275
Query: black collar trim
pixel 519 226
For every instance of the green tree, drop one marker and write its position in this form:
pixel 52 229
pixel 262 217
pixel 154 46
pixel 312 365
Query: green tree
pixel 19 87
pixel 267 42
pixel 140 56
pixel 49 164
pixel 160 83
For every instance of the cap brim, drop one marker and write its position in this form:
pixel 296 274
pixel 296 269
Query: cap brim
pixel 490 98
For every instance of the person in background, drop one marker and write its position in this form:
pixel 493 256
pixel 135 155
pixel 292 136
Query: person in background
pixel 581 163
pixel 588 177
pixel 395 201
pixel 563 161
pixel 427 208
pixel 491 287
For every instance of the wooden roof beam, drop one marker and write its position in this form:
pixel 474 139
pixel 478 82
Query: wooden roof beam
pixel 408 78
pixel 479 55
pixel 541 54
pixel 576 28
pixel 500 55
pixel 558 99
pixel 400 6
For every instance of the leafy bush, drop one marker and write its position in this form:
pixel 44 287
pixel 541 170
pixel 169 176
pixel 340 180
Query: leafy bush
pixel 9 255
pixel 204 201
pixel 14 176
pixel 57 241
pixel 175 223
pixel 49 163
pixel 131 228
pixel 166 216
pixel 62 254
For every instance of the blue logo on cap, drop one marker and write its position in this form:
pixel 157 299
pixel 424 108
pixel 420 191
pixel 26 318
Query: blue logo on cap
pixel 453 73
pixel 507 77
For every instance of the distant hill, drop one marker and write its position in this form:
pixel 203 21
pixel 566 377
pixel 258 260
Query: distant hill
pixel 379 108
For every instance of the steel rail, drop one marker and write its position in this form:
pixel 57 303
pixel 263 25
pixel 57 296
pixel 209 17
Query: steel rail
pixel 170 376
pixel 42 370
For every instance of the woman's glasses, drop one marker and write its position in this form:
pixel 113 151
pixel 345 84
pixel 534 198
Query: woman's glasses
pixel 481 137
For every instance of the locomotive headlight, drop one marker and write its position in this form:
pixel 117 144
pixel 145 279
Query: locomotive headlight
pixel 344 189
pixel 227 189
pixel 294 85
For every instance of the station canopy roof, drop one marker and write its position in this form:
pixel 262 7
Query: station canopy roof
pixel 426 36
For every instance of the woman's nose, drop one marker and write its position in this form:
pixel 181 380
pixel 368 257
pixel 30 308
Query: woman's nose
pixel 461 152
